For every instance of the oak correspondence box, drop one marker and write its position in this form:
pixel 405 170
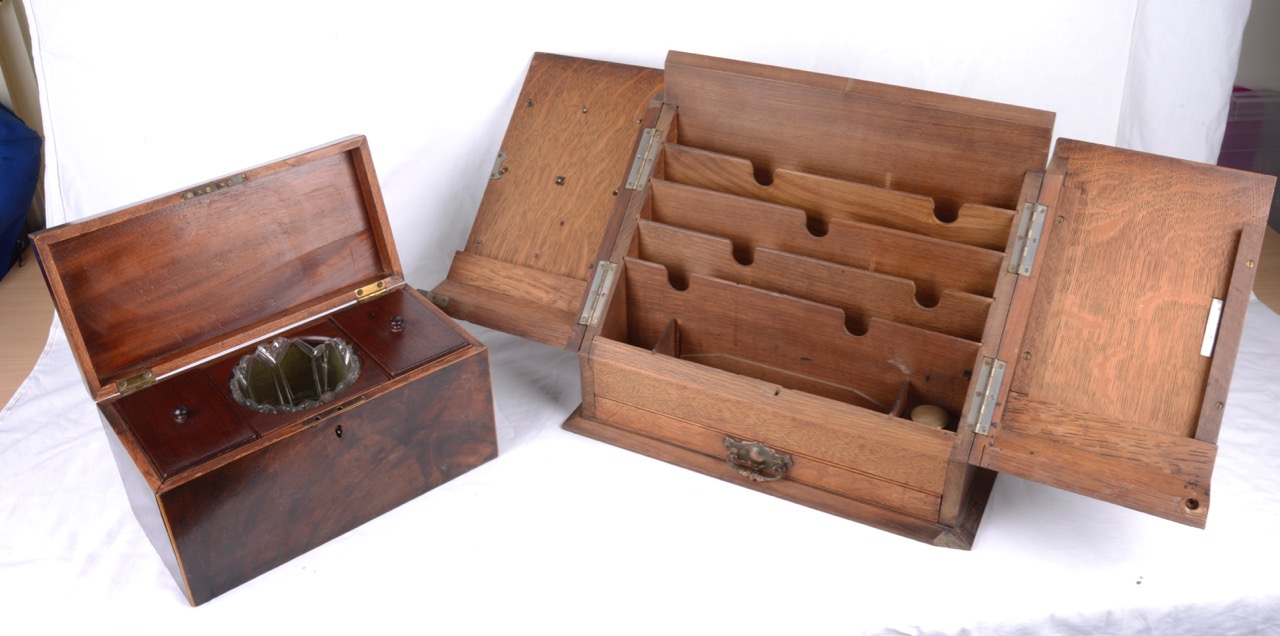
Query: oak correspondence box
pixel 767 271
pixel 162 300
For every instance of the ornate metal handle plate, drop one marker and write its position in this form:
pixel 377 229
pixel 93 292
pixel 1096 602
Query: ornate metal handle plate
pixel 755 461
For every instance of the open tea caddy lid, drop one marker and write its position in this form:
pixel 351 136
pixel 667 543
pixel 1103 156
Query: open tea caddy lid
pixel 159 285
pixel 1113 346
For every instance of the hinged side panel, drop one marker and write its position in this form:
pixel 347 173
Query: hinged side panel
pixel 1107 388
pixel 544 221
pixel 170 281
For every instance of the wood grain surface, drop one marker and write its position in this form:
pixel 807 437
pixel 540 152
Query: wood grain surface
pixel 856 439
pixel 862 294
pixel 173 280
pixel 1110 389
pixel 569 146
pixel 826 198
pixel 1140 247
pixel 752 224
pixel 802 337
pixel 953 149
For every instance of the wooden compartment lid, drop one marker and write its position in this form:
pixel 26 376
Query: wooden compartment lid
pixel 158 285
pixel 1121 343
pixel 550 205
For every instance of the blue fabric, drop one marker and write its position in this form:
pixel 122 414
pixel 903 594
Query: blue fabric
pixel 19 171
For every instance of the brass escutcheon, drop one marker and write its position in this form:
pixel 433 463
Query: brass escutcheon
pixel 755 461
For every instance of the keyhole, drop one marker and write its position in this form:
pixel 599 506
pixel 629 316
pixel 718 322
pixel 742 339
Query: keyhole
pixel 337 430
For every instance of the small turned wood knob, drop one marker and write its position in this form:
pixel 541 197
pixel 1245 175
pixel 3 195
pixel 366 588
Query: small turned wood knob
pixel 931 416
pixel 181 414
pixel 397 324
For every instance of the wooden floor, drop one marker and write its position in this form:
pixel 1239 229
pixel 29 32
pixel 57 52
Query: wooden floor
pixel 26 312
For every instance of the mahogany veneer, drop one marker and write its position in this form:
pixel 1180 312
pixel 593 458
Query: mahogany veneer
pixel 161 299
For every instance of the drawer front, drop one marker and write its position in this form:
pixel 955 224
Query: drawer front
pixel 832 446
pixel 805 470
pixel 263 509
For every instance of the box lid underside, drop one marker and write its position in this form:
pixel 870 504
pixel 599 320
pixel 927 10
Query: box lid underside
pixel 164 283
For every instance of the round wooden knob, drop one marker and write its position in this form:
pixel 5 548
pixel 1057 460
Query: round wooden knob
pixel 397 324
pixel 181 414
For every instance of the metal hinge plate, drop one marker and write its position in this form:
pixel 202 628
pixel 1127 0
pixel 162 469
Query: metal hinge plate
pixel 498 168
pixel 1027 241
pixel 598 296
pixel 983 406
pixel 371 291
pixel 135 382
pixel 1211 327
pixel 214 186
pixel 646 156
pixel 440 300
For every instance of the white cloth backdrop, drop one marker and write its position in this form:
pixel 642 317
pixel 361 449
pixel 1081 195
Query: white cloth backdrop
pixel 562 533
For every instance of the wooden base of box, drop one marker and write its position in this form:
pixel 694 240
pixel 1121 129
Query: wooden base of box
pixel 959 537
pixel 228 493
pixel 252 511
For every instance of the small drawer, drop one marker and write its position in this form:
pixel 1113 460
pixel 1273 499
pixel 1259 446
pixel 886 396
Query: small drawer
pixel 183 421
pixel 399 331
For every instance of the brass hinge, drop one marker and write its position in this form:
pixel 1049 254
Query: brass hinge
pixel 1027 241
pixel 646 156
pixel 369 292
pixel 983 406
pixel 440 300
pixel 214 186
pixel 135 382
pixel 598 296
pixel 498 168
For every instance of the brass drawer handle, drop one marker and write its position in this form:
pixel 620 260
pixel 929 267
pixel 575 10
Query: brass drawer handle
pixel 755 461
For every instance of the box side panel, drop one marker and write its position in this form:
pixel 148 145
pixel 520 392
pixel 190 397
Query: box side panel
pixel 1116 382
pixel 568 148
pixel 144 502
pixel 265 508
pixel 1141 245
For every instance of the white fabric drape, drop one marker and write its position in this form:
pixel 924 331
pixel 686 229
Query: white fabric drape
pixel 561 533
